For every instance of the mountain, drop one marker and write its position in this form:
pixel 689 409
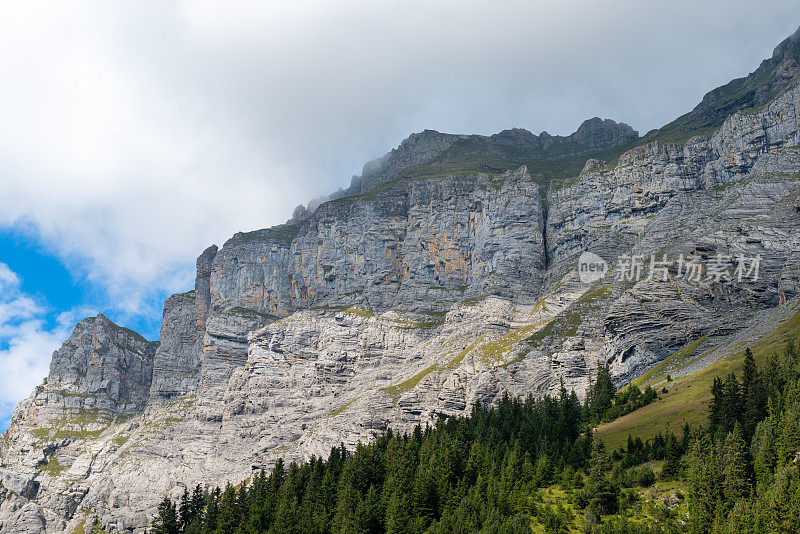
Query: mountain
pixel 447 274
pixel 431 153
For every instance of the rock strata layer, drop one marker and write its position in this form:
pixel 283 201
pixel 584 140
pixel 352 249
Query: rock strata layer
pixel 415 296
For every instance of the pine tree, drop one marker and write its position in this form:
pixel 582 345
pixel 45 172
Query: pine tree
pixel 773 378
pixel 212 511
pixel 730 403
pixel 789 444
pixel 600 397
pixel 228 512
pixel 398 515
pixel 717 401
pixel 602 494
pixel 791 352
pixel 166 522
pixel 753 396
pixel 704 485
pixel 735 468
pixel 686 437
pixel 672 457
pixel 765 455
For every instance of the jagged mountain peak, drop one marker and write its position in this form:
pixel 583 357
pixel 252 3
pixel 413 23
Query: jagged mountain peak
pixel 453 281
pixel 600 133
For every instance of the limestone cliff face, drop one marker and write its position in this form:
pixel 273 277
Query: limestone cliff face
pixel 101 366
pixel 415 243
pixel 101 375
pixel 422 292
pixel 176 367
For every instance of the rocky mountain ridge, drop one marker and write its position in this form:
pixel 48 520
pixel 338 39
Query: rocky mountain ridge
pixel 446 276
pixel 502 151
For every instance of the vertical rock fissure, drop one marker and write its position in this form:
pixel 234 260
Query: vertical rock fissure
pixel 543 198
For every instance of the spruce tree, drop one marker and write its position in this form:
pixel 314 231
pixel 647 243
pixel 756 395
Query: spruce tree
pixel 764 453
pixel 735 468
pixel 398 515
pixel 166 522
pixel 212 511
pixel 185 510
pixel 716 407
pixel 789 444
pixel 602 494
pixel 704 485
pixel 731 403
pixel 753 396
pixel 600 397
pixel 228 511
pixel 672 457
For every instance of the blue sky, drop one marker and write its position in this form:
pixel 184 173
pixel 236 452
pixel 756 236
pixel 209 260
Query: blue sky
pixel 39 301
pixel 134 134
pixel 46 278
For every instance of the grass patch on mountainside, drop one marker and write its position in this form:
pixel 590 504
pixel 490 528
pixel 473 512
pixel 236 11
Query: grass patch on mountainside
pixel 252 314
pixel 689 396
pixel 556 509
pixel 675 361
pixel 748 95
pixel 371 195
pixel 52 467
pixel 79 425
pixel 494 350
pixel 406 385
pixel 436 319
pixel 567 322
pixel 346 309
pixel 341 409
pixel 366 314
pixel 564 159
pixel 282 234
pixel 131 333
pixel 396 390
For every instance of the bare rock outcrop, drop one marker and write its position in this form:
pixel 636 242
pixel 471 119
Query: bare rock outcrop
pixel 418 294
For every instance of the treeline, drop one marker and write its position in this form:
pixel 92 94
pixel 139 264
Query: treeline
pixel 604 403
pixel 470 474
pixel 661 447
pixel 485 472
pixel 743 471
pixel 480 473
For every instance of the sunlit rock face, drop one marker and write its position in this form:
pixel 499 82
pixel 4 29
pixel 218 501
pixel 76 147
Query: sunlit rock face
pixel 434 283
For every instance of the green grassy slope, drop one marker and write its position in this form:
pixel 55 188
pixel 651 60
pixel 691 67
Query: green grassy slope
pixel 689 396
pixel 563 159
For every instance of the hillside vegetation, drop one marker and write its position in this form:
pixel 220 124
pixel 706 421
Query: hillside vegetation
pixel 537 466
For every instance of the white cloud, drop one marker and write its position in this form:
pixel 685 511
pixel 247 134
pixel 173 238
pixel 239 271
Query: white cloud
pixel 134 134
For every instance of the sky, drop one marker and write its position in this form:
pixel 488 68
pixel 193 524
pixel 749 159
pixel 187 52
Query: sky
pixel 135 134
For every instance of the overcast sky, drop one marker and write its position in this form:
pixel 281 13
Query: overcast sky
pixel 135 134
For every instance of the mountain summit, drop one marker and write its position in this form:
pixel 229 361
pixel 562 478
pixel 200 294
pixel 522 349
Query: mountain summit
pixel 449 273
pixel 432 152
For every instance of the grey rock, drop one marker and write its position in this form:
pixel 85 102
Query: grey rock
pixel 393 306
pixel 415 150
pixel 101 366
pixel 599 133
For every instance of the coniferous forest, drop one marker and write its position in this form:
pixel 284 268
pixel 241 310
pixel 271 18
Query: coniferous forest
pixel 537 466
